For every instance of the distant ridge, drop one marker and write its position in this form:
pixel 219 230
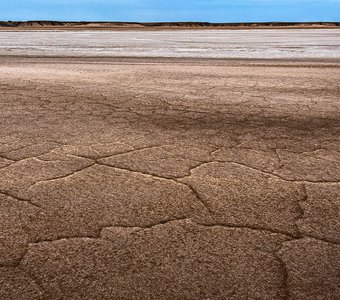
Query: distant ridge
pixel 146 25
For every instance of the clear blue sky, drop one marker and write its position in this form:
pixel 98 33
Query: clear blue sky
pixel 171 10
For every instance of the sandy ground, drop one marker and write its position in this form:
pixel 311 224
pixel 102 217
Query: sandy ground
pixel 169 179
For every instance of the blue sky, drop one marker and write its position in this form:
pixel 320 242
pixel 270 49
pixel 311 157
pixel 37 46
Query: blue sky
pixel 171 10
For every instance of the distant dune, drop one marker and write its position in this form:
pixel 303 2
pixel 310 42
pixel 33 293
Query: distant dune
pixel 161 25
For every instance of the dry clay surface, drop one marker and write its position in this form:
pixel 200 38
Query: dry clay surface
pixel 169 179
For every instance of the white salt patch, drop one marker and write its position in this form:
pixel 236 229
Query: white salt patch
pixel 297 43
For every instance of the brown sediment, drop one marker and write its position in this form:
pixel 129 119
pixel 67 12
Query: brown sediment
pixel 136 178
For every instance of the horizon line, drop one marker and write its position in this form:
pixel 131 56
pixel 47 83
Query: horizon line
pixel 167 22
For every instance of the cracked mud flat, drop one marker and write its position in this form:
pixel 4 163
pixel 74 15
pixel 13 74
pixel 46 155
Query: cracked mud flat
pixel 169 179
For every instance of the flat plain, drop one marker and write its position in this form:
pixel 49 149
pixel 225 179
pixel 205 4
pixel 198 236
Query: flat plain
pixel 198 43
pixel 169 178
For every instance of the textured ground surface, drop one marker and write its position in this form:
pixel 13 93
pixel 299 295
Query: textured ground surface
pixel 169 179
pixel 274 43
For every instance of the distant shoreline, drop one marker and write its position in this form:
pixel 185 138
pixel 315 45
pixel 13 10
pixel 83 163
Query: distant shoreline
pixel 58 25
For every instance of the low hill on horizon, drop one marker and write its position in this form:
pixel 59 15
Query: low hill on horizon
pixel 40 24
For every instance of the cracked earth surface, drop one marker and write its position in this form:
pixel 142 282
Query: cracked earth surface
pixel 169 179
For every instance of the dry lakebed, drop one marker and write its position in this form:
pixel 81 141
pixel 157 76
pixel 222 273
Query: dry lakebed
pixel 170 165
